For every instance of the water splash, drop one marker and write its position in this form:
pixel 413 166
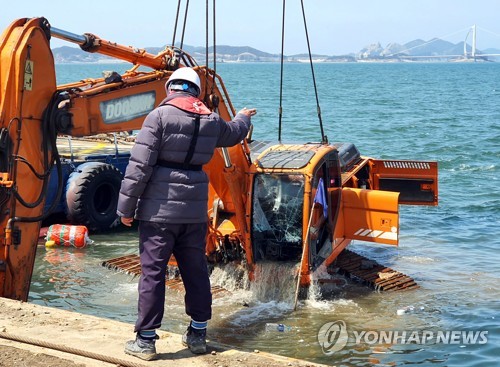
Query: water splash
pixel 321 293
pixel 269 296
pixel 273 287
pixel 275 282
pixel 231 276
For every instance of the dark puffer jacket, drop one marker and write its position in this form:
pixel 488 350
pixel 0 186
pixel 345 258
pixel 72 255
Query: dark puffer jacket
pixel 151 192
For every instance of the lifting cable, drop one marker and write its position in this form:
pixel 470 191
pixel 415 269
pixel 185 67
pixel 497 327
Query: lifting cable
pixel 184 25
pixel 176 20
pixel 215 54
pixel 206 49
pixel 280 111
pixel 210 99
pixel 324 139
pixel 188 60
pixel 191 61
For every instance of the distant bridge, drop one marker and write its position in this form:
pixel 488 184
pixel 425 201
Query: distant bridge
pixel 468 55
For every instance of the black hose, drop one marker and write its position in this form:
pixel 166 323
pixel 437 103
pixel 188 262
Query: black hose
pixel 50 134
pixel 40 176
pixel 40 198
pixel 45 177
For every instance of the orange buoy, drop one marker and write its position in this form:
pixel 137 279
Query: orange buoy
pixel 68 235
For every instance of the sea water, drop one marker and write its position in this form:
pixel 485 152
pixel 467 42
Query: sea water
pixel 447 112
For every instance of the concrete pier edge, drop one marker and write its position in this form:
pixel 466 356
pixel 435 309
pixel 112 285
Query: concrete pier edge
pixel 105 337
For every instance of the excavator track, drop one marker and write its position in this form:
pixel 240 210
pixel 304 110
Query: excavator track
pixel 131 265
pixel 371 273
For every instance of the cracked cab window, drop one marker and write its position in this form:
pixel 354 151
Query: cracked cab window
pixel 277 216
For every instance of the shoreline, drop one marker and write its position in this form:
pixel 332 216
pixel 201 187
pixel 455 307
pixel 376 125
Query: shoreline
pixel 359 61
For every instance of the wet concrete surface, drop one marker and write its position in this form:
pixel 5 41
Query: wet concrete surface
pixel 34 335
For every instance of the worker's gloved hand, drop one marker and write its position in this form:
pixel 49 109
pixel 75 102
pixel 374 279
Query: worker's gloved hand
pixel 248 111
pixel 127 221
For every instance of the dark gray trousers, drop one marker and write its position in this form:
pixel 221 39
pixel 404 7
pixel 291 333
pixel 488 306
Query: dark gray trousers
pixel 157 242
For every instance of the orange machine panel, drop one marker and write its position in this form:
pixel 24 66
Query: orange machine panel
pixel 372 215
pixel 416 181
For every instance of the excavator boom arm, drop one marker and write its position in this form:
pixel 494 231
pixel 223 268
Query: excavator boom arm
pixel 34 111
pixel 92 43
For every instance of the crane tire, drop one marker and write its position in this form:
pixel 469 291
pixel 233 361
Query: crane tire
pixel 92 195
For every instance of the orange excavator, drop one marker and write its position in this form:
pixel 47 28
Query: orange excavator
pixel 268 201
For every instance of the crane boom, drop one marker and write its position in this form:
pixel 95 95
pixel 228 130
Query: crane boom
pixel 34 110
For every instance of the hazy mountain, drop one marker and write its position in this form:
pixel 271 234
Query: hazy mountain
pixel 491 51
pixel 225 53
pixel 433 47
pixel 66 54
pixel 394 49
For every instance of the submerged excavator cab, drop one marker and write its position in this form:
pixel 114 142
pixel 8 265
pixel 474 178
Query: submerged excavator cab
pixel 285 204
pixel 278 201
pixel 282 204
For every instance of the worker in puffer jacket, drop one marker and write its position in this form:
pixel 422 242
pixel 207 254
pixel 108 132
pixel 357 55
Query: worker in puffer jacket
pixel 166 190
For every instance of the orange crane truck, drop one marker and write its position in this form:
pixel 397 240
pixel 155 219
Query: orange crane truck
pixel 268 201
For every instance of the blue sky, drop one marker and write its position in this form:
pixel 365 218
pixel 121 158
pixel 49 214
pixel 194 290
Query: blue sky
pixel 335 26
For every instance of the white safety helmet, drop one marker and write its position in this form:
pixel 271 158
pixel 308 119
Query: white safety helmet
pixel 185 74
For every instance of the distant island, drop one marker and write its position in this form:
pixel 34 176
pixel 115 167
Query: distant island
pixel 435 50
